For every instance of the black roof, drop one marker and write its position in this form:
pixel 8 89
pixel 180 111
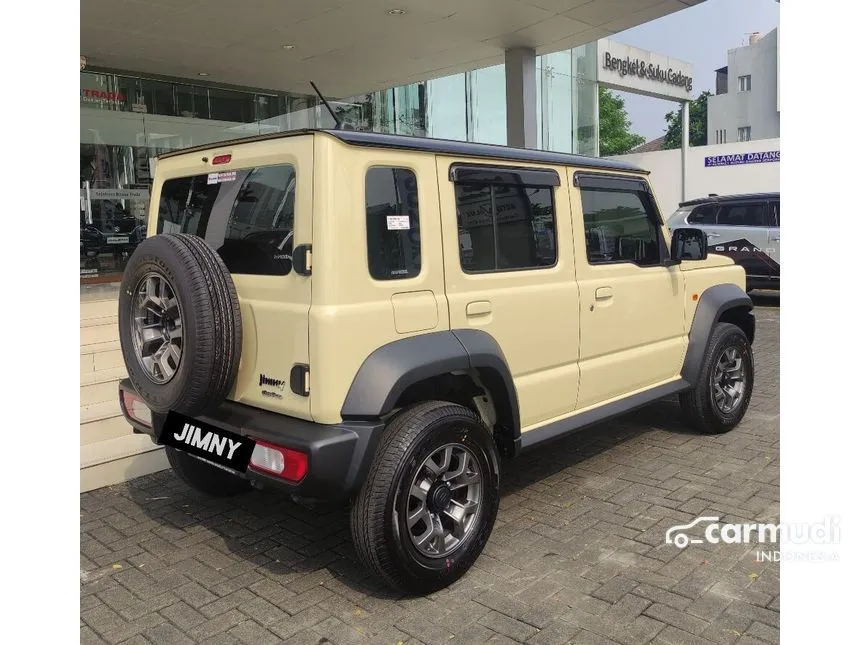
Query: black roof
pixel 440 146
pixel 729 198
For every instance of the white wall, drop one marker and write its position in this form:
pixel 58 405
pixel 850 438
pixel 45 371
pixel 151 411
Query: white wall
pixel 665 168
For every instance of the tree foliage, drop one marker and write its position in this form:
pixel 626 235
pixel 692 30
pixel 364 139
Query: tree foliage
pixel 698 124
pixel 615 135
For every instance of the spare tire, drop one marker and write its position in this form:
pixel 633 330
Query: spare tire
pixel 180 327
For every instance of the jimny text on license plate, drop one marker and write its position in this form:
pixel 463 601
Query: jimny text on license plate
pixel 206 441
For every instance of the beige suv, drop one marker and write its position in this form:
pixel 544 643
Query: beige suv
pixel 380 320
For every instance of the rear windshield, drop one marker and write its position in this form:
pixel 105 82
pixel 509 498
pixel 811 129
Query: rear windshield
pixel 245 215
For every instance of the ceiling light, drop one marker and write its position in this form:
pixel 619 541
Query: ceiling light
pixel 202 73
pixel 396 12
pixel 288 46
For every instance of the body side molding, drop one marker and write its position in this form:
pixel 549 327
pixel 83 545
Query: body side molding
pixel 559 429
pixel 713 302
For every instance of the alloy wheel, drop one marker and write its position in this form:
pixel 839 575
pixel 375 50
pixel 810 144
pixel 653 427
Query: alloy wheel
pixel 444 500
pixel 157 327
pixel 729 380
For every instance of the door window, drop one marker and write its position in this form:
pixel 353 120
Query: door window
pixel 620 226
pixel 703 215
pixel 741 215
pixel 505 218
pixel 773 215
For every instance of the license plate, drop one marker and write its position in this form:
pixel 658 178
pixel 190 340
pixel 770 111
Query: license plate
pixel 206 441
pixel 117 240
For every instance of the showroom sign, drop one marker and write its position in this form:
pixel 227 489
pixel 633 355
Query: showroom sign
pixel 98 96
pixel 636 70
pixel 742 158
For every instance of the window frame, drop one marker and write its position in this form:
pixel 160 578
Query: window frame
pixel 414 171
pixel 745 133
pixel 624 183
pixel 476 174
pixel 752 202
pixel 745 83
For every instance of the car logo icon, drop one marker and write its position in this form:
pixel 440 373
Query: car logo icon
pixel 676 536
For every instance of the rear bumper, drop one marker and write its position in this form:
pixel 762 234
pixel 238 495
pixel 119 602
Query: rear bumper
pixel 338 455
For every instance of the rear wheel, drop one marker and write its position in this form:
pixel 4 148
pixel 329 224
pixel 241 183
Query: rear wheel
pixel 430 499
pixel 725 383
pixel 205 478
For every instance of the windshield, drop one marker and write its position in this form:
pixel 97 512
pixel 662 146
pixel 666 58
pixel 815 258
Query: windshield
pixel 246 215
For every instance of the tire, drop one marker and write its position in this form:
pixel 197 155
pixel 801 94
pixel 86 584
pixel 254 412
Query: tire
pixel 383 539
pixel 209 321
pixel 205 478
pixel 701 405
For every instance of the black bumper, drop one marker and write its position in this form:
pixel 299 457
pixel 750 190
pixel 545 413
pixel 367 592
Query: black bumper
pixel 338 455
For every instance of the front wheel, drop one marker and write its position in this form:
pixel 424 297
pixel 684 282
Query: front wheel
pixel 724 387
pixel 430 499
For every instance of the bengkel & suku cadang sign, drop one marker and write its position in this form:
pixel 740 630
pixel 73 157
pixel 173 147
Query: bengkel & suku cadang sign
pixel 630 69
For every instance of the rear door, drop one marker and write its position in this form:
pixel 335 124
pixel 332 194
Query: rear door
pixel 253 210
pixel 507 243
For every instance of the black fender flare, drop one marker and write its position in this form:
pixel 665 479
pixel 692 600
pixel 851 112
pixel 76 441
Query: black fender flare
pixel 390 369
pixel 713 303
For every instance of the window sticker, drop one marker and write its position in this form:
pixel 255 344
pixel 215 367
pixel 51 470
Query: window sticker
pixel 220 177
pixel 397 222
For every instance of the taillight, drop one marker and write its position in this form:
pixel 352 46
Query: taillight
pixel 136 408
pixel 285 463
pixel 221 159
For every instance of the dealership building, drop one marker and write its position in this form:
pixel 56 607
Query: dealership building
pixel 159 76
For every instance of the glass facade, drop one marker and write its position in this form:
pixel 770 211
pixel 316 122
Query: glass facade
pixel 127 119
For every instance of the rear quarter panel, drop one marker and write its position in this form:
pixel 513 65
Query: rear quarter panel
pixel 353 314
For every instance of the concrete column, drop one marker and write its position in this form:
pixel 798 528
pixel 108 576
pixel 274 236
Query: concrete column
pixel 685 144
pixel 521 98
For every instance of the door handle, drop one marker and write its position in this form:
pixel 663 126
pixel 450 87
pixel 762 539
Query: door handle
pixel 713 234
pixel 603 293
pixel 479 308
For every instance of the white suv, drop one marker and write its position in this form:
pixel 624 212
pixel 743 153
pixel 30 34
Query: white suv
pixel 744 227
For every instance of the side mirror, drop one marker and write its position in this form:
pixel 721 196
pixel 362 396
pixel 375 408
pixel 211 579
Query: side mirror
pixel 689 244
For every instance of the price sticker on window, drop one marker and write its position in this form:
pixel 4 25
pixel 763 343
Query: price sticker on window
pixel 397 222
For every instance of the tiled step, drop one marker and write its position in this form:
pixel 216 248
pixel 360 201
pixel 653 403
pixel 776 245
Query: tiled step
pixel 102 410
pixel 96 348
pixel 104 430
pixel 111 375
pixel 99 392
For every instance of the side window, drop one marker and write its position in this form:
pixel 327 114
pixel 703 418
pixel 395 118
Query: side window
pixel 393 234
pixel 703 215
pixel 620 226
pixel 505 225
pixel 741 215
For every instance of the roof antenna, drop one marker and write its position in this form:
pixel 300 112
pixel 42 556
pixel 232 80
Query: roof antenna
pixel 337 121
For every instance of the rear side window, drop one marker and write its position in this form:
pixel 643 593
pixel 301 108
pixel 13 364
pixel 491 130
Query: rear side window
pixel 620 226
pixel 703 215
pixel 245 215
pixel 506 219
pixel 393 234
pixel 750 214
